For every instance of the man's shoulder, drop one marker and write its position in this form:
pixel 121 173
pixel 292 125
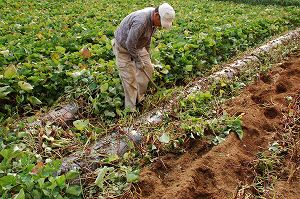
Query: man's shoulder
pixel 146 10
pixel 139 17
pixel 142 13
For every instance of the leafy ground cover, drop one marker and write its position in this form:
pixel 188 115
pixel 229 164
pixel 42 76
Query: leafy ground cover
pixel 59 51
pixel 42 44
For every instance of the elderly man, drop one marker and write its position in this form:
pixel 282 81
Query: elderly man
pixel 131 47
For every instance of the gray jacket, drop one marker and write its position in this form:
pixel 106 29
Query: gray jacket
pixel 135 32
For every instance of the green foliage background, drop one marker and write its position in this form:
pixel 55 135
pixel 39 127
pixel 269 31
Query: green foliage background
pixel 43 39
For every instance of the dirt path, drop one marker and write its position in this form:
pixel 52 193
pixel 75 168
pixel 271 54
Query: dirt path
pixel 216 172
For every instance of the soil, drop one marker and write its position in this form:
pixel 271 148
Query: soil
pixel 217 172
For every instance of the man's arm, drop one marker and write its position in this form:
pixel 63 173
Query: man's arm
pixel 149 42
pixel 148 47
pixel 135 33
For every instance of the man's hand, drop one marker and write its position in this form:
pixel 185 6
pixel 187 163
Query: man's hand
pixel 140 65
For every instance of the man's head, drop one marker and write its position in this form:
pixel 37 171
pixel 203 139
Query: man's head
pixel 163 16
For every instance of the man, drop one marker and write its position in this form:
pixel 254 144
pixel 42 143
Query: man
pixel 131 47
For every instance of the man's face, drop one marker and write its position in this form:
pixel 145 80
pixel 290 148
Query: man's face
pixel 156 20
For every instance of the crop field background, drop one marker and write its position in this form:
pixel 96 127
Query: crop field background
pixel 42 41
pixel 58 51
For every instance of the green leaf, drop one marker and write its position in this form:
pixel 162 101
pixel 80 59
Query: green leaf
pixel 7 181
pixel 104 87
pixel 132 177
pixel 60 49
pixel 153 147
pixel 100 178
pixel 20 195
pixel 7 154
pixel 10 72
pixel 51 167
pixel 46 192
pixel 52 186
pixel 188 68
pixel 227 132
pixel 74 190
pixel 5 53
pixel 25 86
pixel 218 139
pixel 61 180
pixel 72 175
pixel 34 101
pixel 165 71
pixel 240 134
pixel 41 182
pixel 109 113
pixel 4 92
pixel 3 95
pixel 111 158
pixel 164 138
pixel 60 197
pixel 211 42
pixel 36 194
pixel 81 124
pixel 119 112
pixel 274 147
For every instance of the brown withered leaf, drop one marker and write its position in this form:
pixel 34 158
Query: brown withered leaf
pixel 85 53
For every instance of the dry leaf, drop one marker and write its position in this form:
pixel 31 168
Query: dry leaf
pixel 85 52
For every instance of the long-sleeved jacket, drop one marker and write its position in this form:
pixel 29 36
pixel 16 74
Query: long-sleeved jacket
pixel 135 32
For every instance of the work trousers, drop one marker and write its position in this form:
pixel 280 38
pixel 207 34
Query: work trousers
pixel 134 80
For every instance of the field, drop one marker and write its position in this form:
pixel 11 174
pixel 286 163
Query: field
pixel 55 52
pixel 265 164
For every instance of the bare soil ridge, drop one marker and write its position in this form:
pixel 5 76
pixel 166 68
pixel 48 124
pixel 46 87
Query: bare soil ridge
pixel 217 172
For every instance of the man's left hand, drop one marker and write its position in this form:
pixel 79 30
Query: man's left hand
pixel 140 65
